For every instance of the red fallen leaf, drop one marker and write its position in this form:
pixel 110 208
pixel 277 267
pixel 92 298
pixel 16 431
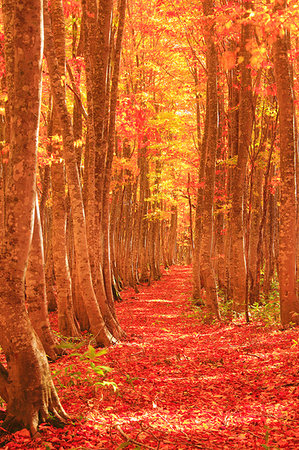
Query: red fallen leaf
pixel 23 433
pixel 55 439
pixel 218 385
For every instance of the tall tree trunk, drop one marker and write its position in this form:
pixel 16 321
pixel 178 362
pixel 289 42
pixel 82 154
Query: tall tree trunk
pixel 172 237
pixel 31 394
pixel 296 66
pixel 109 157
pixel 238 263
pixel 233 143
pixel 49 264
pixel 202 149
pixel 270 238
pixel 289 305
pixel 66 320
pixel 2 183
pixel 220 216
pixel 98 23
pixel 36 290
pixel 210 167
pixel 101 334
pixel 144 194
pixel 255 219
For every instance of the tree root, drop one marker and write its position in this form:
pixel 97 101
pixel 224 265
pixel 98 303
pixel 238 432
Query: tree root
pixel 48 410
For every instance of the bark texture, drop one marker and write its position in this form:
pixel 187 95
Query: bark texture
pixel 36 290
pixel 30 390
pixel 206 267
pixel 238 262
pixel 289 305
pixel 98 328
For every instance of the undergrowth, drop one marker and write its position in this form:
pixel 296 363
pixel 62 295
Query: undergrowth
pixel 91 373
pixel 266 310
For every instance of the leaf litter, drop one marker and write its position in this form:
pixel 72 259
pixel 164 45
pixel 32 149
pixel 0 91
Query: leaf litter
pixel 176 383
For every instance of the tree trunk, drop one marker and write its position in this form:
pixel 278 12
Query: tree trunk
pixel 202 149
pixel 109 159
pixel 98 22
pixel 144 194
pixel 36 290
pixel 172 238
pixel 98 327
pixel 233 143
pixel 49 269
pixel 289 305
pixel 30 390
pixel 255 219
pixel 238 263
pixel 66 320
pixel 206 268
pixel 2 184
pixel 220 216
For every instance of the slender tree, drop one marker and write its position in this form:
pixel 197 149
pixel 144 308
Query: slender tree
pixel 66 320
pixel 289 305
pixel 97 324
pixel 238 260
pixel 26 385
pixel 36 290
pixel 206 267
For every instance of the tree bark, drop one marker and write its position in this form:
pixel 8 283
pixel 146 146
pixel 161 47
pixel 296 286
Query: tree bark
pixel 36 290
pixel 289 305
pixel 202 149
pixel 206 268
pixel 31 393
pixel 66 320
pixel 101 335
pixel 238 262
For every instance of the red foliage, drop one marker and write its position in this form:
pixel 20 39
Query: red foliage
pixel 181 384
pixel 71 8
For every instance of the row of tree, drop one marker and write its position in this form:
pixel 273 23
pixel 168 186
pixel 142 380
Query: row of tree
pixel 260 236
pixel 182 146
pixel 228 143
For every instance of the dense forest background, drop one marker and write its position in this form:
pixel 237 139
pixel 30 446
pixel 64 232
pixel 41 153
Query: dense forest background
pixel 134 136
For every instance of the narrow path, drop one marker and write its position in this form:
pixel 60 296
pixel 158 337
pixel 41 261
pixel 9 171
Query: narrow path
pixel 188 385
pixel 181 384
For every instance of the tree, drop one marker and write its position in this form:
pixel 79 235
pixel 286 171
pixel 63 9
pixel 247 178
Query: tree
pixel 289 305
pixel 98 327
pixel 206 267
pixel 66 320
pixel 36 290
pixel 238 260
pixel 26 385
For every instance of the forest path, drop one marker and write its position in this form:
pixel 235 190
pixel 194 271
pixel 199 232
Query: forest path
pixel 181 384
pixel 191 385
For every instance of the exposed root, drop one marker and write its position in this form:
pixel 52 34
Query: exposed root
pixel 49 410
pixel 12 424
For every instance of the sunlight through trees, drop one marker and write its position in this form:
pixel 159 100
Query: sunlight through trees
pixel 136 136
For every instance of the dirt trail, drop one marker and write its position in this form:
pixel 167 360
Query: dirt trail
pixel 182 384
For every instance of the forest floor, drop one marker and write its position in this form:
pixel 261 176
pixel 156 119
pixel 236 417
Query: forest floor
pixel 181 384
